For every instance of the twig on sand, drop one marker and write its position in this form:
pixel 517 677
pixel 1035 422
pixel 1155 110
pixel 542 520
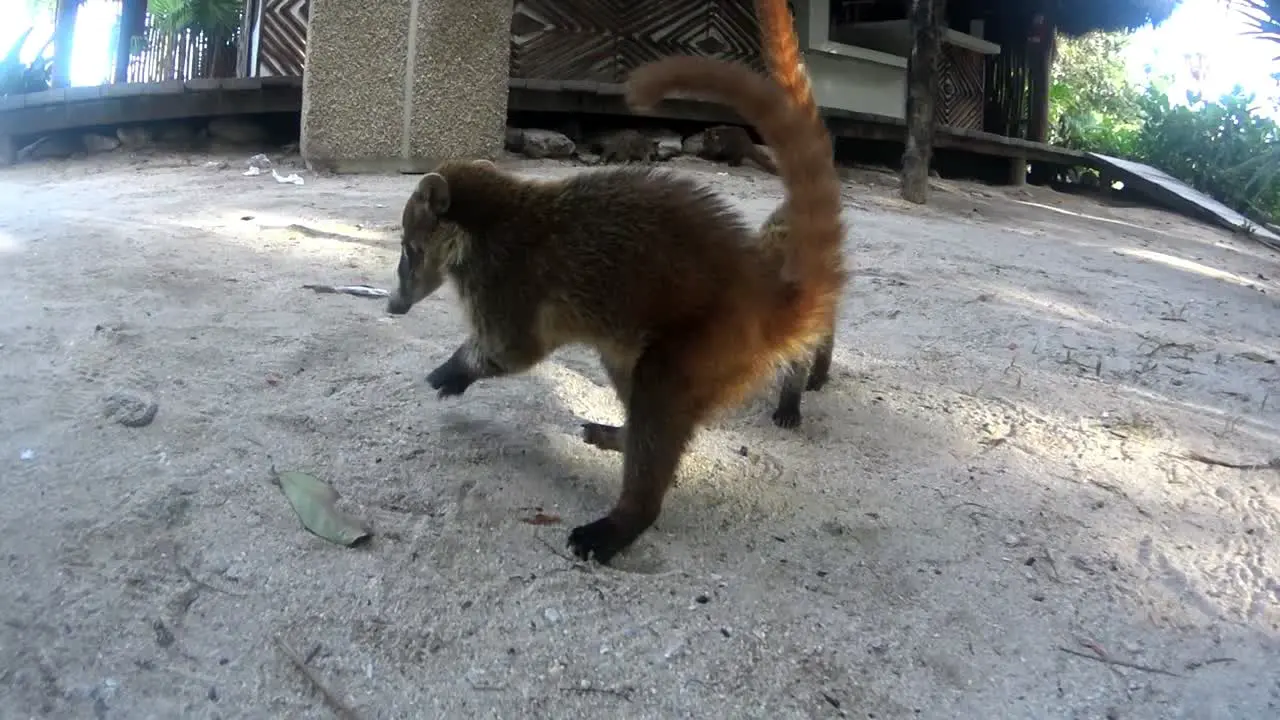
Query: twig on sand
pixel 625 694
pixel 1273 464
pixel 1121 663
pixel 341 708
pixel 1197 664
pixel 1186 348
pixel 191 577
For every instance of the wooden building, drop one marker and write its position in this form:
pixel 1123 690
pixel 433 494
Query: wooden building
pixel 994 60
pixel 993 66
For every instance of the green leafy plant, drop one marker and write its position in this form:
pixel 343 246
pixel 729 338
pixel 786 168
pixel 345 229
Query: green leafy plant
pixel 17 78
pixel 1263 17
pixel 1223 148
pixel 220 18
pixel 1093 105
pixel 213 23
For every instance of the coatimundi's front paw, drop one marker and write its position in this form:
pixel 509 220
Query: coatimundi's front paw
pixel 605 437
pixel 787 417
pixel 451 378
pixel 603 539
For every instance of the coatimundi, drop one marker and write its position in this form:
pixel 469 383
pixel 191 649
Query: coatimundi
pixel 663 277
pixel 626 145
pixel 731 145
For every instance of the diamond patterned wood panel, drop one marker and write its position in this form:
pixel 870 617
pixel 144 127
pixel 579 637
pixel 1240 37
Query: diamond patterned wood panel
pixel 725 29
pixel 603 40
pixel 564 39
pixel 651 29
pixel 282 37
pixel 961 97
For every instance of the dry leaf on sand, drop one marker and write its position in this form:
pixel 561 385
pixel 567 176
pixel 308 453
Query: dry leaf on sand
pixel 315 502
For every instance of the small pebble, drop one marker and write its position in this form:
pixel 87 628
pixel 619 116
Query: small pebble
pixel 702 599
pixel 552 615
pixel 27 454
pixel 130 410
pixel 164 637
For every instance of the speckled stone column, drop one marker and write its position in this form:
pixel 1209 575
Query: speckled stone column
pixel 398 85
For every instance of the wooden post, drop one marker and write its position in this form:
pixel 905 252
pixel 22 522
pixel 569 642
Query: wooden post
pixel 244 46
pixel 1042 43
pixel 1042 40
pixel 1018 171
pixel 64 31
pixel 922 93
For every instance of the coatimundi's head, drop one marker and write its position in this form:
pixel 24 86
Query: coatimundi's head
pixel 421 268
pixel 430 242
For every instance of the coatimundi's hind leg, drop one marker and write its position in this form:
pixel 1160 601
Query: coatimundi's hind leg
pixel 809 373
pixel 818 374
pixel 612 437
pixel 662 416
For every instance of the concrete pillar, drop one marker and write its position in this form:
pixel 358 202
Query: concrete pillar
pixel 399 85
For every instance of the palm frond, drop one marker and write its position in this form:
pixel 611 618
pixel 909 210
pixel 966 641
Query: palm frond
pixel 1262 16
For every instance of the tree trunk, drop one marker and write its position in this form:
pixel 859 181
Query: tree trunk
pixel 132 23
pixel 922 93
pixel 64 31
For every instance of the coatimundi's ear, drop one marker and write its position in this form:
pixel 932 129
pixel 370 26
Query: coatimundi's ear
pixel 433 193
pixel 488 164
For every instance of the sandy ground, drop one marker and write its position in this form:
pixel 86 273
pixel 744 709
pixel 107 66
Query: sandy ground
pixel 992 494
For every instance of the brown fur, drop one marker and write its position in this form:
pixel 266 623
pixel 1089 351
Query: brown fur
pixel 731 145
pixel 810 371
pixel 781 50
pixel 660 275
pixel 625 146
